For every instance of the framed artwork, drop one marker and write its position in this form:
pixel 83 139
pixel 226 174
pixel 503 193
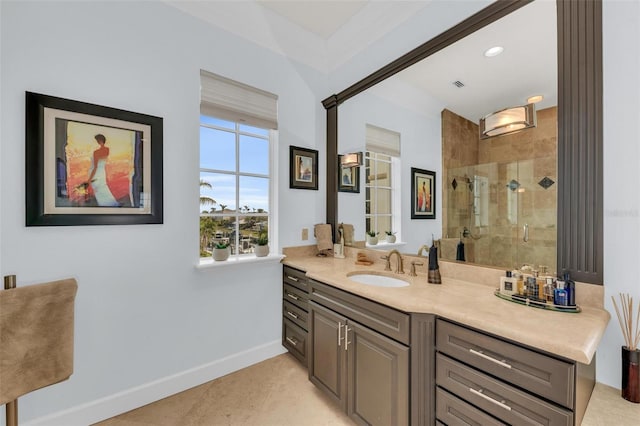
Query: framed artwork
pixel 88 164
pixel 423 195
pixel 303 168
pixel 349 178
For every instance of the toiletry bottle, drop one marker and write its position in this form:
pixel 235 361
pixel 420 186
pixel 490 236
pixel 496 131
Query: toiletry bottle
pixel 560 297
pixel 544 273
pixel 520 284
pixel 560 283
pixel 532 288
pixel 559 294
pixel 570 288
pixel 541 282
pixel 507 284
pixel 548 290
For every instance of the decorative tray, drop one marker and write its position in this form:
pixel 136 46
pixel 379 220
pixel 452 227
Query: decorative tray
pixel 521 300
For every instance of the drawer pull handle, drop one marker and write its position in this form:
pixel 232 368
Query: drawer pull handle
pixel 292 278
pixel 346 337
pixel 488 358
pixel 292 341
pixel 482 395
pixel 292 296
pixel 292 315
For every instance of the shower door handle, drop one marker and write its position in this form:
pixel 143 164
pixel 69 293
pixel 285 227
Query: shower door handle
pixel 525 238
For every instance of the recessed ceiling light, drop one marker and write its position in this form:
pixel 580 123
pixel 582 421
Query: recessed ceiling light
pixel 493 51
pixel 534 99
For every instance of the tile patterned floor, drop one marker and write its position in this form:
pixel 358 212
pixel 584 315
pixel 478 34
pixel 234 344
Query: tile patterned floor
pixel 608 408
pixel 277 392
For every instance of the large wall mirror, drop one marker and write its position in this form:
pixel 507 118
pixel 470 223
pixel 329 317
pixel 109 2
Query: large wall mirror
pixel 498 196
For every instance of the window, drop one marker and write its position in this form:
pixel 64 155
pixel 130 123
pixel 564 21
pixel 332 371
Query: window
pixel 236 194
pixel 378 195
pixel 382 208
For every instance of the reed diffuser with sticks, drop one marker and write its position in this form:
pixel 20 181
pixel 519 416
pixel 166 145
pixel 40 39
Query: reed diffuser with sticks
pixel 631 350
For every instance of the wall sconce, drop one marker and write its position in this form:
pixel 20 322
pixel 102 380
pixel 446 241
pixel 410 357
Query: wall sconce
pixel 351 159
pixel 507 121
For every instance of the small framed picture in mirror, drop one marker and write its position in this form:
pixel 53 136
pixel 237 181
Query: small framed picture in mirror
pixel 348 178
pixel 423 195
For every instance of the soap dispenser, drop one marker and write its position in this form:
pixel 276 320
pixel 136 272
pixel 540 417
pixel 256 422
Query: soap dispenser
pixel 433 273
pixel 570 288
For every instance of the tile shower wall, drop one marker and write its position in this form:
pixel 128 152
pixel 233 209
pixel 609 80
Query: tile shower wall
pixel 510 182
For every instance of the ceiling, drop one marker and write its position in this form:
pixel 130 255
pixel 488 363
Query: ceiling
pixel 323 18
pixel 323 34
pixel 326 34
pixel 526 67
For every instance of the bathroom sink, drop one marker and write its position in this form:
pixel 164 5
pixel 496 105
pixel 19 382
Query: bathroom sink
pixel 376 280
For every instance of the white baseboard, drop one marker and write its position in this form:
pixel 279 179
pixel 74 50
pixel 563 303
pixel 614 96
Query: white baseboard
pixel 121 402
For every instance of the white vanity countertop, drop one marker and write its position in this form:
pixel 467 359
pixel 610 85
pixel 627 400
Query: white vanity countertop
pixel 570 335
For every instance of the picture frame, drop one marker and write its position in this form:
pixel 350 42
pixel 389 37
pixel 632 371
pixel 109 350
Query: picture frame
pixel 303 168
pixel 348 178
pixel 423 195
pixel 89 164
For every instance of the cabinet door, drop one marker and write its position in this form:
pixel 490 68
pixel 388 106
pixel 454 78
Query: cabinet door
pixel 328 357
pixel 378 383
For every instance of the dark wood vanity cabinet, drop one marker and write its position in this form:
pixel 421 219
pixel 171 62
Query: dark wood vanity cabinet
pixel 387 367
pixel 359 355
pixel 376 362
pixel 295 308
pixel 482 379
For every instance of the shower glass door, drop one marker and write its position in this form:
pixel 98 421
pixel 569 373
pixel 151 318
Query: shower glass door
pixel 503 213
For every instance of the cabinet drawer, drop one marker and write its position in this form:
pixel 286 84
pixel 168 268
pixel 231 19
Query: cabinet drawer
pixel 385 320
pixel 294 314
pixel 499 399
pixel 295 277
pixel 294 295
pixel 294 339
pixel 455 412
pixel 546 376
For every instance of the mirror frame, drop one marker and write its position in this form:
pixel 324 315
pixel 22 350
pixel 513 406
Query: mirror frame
pixel 580 205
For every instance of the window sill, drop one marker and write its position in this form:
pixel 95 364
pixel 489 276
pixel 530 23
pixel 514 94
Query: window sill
pixel 385 245
pixel 209 263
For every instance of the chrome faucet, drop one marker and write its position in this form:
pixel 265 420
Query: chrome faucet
pixel 423 248
pixel 399 266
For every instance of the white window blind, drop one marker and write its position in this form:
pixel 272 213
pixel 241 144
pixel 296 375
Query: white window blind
pixel 230 100
pixel 383 141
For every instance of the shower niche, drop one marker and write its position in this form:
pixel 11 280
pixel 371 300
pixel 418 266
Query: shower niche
pixel 500 194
